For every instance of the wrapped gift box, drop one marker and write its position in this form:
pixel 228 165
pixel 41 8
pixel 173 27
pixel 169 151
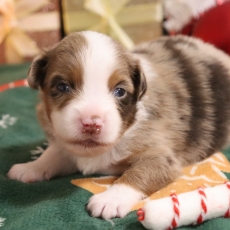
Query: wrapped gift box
pixel 27 27
pixel 128 21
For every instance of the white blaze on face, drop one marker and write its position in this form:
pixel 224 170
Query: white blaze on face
pixel 95 100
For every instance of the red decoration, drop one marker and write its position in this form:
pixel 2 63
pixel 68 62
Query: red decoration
pixel 212 26
pixel 176 210
pixel 203 205
pixel 141 214
pixel 227 214
pixel 15 84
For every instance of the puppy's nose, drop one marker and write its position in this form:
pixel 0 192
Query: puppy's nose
pixel 91 125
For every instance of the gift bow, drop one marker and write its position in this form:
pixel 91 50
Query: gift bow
pixel 113 14
pixel 108 10
pixel 9 20
pixel 17 17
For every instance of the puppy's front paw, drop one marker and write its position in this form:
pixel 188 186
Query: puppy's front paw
pixel 117 201
pixel 28 173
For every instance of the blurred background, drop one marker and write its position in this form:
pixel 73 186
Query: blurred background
pixel 27 27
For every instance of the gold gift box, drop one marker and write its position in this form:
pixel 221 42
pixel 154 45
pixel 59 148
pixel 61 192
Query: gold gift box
pixel 128 21
pixel 26 27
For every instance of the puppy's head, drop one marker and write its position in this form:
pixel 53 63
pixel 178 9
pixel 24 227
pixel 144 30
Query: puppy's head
pixel 90 87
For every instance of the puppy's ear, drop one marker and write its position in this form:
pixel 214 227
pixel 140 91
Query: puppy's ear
pixel 139 81
pixel 37 71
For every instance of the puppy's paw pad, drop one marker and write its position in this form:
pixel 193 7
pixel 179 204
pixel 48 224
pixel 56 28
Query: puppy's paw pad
pixel 117 201
pixel 27 173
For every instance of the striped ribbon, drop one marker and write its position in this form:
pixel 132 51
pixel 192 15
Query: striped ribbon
pixel 227 214
pixel 203 205
pixel 176 210
pixel 14 84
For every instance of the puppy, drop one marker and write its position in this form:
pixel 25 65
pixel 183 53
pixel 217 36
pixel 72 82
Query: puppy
pixel 142 115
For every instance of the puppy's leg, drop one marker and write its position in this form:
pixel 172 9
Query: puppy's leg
pixel 148 173
pixel 53 162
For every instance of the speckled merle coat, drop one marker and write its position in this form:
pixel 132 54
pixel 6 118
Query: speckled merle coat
pixel 174 111
pixel 188 102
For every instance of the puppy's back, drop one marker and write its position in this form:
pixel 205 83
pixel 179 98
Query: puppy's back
pixel 192 89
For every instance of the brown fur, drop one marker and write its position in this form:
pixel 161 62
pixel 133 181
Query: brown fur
pixel 189 111
pixel 187 105
pixel 51 69
pixel 121 79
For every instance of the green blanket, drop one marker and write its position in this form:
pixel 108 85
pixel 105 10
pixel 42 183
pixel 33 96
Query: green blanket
pixel 57 204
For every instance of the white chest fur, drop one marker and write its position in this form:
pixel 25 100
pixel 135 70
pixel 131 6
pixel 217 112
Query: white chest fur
pixel 103 164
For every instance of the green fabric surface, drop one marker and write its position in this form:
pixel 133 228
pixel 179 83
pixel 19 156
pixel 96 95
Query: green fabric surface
pixel 56 204
pixel 13 72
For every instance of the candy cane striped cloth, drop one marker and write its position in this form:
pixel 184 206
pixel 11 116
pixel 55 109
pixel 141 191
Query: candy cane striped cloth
pixel 192 207
pixel 14 84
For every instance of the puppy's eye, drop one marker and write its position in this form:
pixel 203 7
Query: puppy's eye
pixel 63 87
pixel 119 92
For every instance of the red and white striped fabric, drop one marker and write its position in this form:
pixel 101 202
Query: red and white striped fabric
pixel 186 208
pixel 14 84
